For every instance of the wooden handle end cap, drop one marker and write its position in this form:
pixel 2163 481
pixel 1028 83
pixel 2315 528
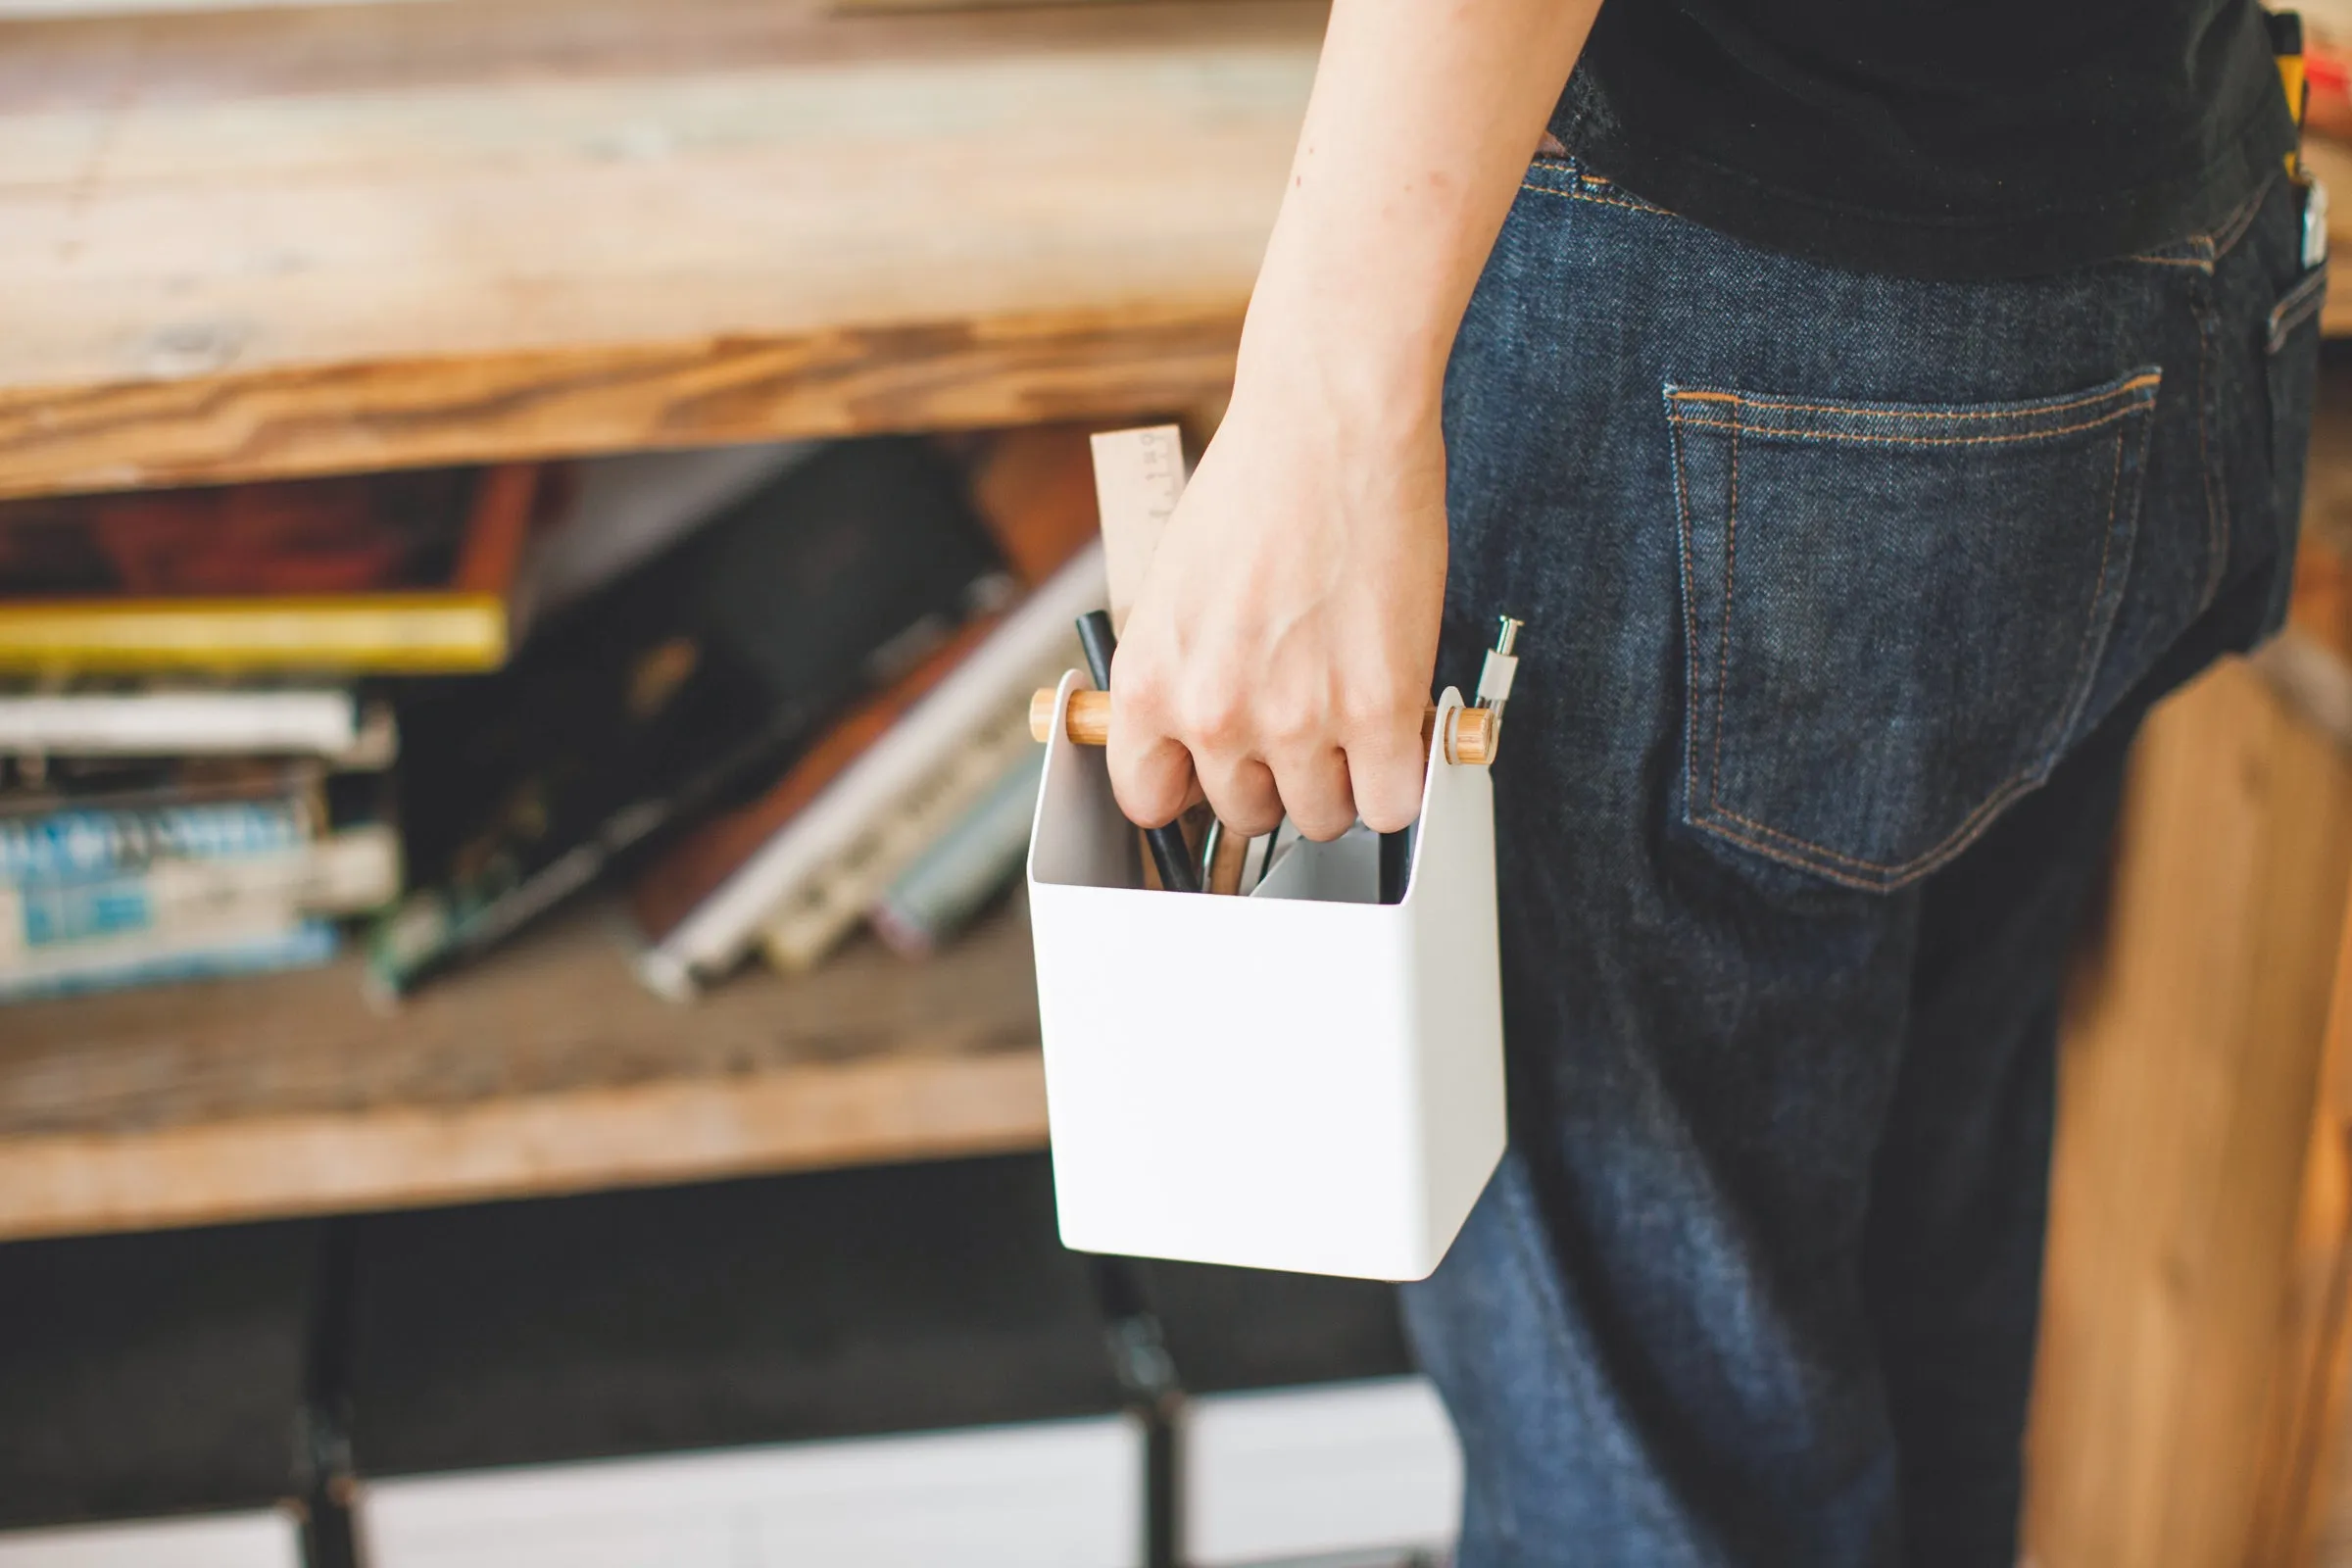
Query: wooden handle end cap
pixel 1040 713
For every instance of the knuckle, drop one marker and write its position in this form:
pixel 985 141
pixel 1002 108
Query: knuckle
pixel 1140 692
pixel 1377 714
pixel 1291 725
pixel 1215 716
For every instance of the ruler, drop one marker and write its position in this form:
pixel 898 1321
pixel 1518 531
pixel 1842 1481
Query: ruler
pixel 1139 474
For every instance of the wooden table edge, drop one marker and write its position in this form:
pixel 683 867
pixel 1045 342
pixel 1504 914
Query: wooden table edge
pixel 286 421
pixel 880 1109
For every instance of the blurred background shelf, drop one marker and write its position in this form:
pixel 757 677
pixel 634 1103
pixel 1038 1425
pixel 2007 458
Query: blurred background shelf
pixel 2331 161
pixel 549 1071
pixel 304 241
pixel 292 241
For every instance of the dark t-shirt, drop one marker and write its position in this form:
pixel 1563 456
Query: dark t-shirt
pixel 1936 138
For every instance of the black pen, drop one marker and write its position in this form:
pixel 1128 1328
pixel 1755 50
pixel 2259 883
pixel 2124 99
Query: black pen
pixel 1177 872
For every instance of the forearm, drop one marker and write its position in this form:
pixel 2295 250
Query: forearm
pixel 1421 123
pixel 1282 648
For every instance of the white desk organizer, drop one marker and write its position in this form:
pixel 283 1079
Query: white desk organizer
pixel 1301 1079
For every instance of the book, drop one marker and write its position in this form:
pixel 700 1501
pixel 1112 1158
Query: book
pixel 672 885
pixel 677 690
pixel 184 869
pixel 241 940
pixel 941 891
pixel 352 871
pixel 163 873
pixel 93 718
pixel 407 572
pixel 830 903
pixel 622 511
pixel 702 906
pixel 1035 490
pixel 115 835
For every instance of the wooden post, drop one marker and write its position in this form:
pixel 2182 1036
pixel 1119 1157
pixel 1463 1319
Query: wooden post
pixel 2189 1081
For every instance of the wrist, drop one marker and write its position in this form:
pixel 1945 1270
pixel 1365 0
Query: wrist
pixel 1336 355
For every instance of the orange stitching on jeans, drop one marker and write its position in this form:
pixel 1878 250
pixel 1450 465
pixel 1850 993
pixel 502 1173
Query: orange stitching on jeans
pixel 2201 261
pixel 1722 640
pixel 1907 440
pixel 1561 159
pixel 2295 307
pixel 2217 505
pixel 2150 378
pixel 1588 196
pixel 1870 884
pixel 2003 793
pixel 1886 876
pixel 2225 239
pixel 2091 623
pixel 1682 507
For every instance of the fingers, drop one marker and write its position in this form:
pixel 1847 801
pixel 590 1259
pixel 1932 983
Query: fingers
pixel 1258 760
pixel 1311 787
pixel 1321 788
pixel 1315 793
pixel 1384 766
pixel 1151 773
pixel 1243 793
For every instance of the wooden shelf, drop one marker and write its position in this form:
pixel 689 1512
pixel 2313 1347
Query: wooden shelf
pixel 291 242
pixel 546 1070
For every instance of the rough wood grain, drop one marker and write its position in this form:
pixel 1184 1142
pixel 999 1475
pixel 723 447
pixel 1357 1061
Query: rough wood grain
pixel 2303 1437
pixel 2301 1434
pixel 402 412
pixel 293 241
pixel 548 1071
pixel 2189 1082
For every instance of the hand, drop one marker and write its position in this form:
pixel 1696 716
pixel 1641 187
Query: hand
pixel 1279 656
pixel 1281 650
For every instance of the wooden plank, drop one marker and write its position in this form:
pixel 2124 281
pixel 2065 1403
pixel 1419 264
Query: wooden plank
pixel 549 1071
pixel 2200 1258
pixel 2188 1088
pixel 2303 1436
pixel 948 374
pixel 279 242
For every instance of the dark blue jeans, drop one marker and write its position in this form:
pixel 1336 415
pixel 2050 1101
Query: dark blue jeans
pixel 1846 594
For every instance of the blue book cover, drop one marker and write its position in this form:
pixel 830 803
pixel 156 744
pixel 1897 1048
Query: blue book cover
pixel 79 842
pixel 952 881
pixel 301 946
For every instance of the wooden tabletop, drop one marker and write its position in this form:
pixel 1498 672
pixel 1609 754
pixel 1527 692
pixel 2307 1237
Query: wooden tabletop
pixel 291 242
pixel 549 1070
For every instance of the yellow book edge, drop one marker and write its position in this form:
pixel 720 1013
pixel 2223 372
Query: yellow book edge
pixel 406 634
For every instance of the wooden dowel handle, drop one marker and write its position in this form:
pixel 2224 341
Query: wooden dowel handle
pixel 1090 724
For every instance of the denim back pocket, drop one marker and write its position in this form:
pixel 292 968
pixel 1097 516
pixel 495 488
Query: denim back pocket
pixel 1892 614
